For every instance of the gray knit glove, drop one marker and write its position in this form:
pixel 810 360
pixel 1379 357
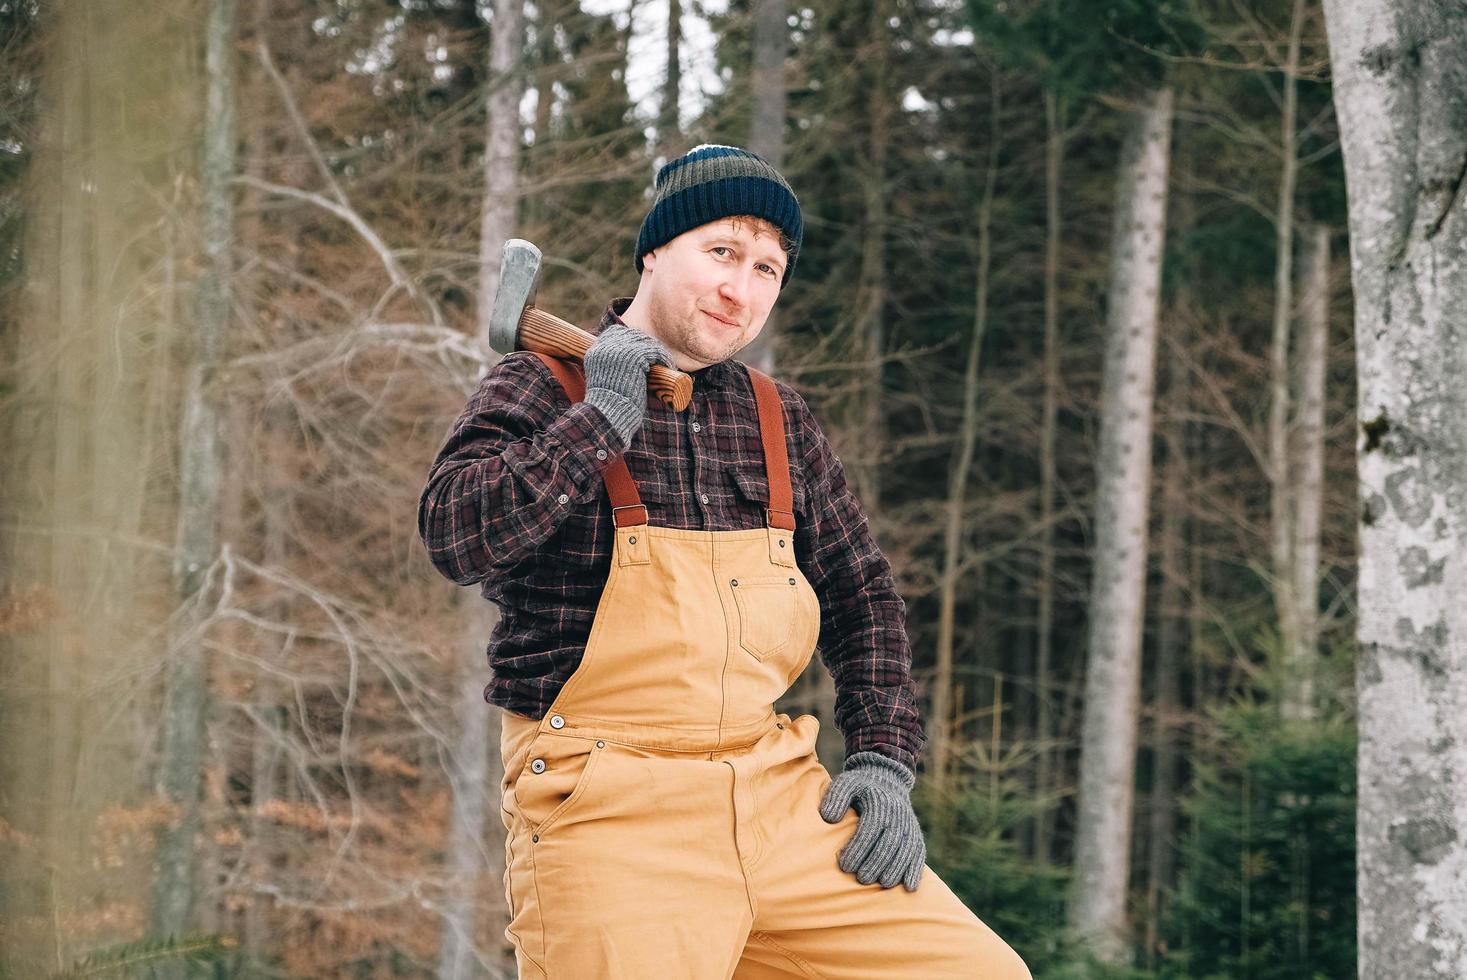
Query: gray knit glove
pixel 616 375
pixel 887 845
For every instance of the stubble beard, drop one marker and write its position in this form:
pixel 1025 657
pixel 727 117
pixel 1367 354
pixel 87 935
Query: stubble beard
pixel 684 333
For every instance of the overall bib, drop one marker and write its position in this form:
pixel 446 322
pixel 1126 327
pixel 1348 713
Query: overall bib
pixel 662 819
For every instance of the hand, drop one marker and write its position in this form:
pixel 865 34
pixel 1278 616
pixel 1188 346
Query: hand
pixel 616 375
pixel 887 845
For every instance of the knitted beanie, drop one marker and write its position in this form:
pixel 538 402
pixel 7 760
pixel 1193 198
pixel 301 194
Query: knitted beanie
pixel 712 181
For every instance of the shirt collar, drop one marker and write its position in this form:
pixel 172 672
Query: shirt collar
pixel 713 376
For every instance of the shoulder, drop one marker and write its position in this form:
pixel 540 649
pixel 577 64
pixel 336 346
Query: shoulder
pixel 793 402
pixel 521 384
pixel 520 372
pixel 801 423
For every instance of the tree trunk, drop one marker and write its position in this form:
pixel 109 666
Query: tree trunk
pixel 957 487
pixel 180 772
pixel 1400 91
pixel 766 134
pixel 1054 155
pixel 669 131
pixel 872 305
pixel 1313 366
pixel 474 768
pixel 547 71
pixel 1281 472
pixel 90 402
pixel 1097 909
pixel 1167 704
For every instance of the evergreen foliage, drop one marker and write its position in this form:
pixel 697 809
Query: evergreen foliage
pixel 1267 887
pixel 972 846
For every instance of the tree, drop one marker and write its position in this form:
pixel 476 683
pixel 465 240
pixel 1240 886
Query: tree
pixel 1400 89
pixel 1097 909
pixel 180 767
pixel 472 775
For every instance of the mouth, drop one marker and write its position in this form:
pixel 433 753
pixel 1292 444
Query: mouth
pixel 725 322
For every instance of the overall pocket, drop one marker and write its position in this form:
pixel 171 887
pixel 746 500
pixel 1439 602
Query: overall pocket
pixel 766 607
pixel 556 774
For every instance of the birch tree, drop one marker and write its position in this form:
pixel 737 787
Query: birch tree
pixel 669 129
pixel 91 257
pixel 1280 468
pixel 1308 455
pixel 1400 90
pixel 180 775
pixel 1097 907
pixel 476 764
pixel 766 134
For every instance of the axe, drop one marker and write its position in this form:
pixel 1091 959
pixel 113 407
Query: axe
pixel 515 324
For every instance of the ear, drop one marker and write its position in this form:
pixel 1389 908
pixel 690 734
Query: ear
pixel 650 259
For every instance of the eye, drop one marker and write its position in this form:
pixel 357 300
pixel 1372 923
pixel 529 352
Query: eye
pixel 723 248
pixel 772 269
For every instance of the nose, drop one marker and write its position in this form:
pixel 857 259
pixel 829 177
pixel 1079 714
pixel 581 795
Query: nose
pixel 735 288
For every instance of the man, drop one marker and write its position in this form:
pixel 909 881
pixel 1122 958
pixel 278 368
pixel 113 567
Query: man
pixel 663 578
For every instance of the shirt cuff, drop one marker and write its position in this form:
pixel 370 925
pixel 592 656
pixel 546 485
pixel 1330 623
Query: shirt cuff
pixel 591 444
pixel 893 743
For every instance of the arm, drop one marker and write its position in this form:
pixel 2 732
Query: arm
pixel 863 633
pixel 514 465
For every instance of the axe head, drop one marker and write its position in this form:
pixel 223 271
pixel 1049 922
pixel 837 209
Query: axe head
pixel 519 278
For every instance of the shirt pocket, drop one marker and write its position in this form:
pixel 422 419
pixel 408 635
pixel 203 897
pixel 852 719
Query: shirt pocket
pixel 653 486
pixel 751 490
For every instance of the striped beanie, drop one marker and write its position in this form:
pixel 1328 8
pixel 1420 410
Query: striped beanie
pixel 712 181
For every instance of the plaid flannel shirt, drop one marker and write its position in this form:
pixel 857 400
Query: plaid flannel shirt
pixel 515 502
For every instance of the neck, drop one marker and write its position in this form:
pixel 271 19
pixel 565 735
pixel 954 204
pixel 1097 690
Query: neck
pixel 638 314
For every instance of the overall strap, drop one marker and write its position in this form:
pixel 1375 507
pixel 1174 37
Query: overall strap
pixel 627 509
pixel 776 453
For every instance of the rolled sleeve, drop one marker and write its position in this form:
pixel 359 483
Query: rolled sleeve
pixel 863 634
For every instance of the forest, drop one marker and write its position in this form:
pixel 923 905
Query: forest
pixel 1138 328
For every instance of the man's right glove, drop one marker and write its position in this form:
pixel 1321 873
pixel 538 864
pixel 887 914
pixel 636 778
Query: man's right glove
pixel 616 375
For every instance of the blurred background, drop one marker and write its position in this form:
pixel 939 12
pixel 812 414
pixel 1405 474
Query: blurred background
pixel 1073 307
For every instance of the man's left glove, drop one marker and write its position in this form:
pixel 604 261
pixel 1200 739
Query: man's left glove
pixel 887 845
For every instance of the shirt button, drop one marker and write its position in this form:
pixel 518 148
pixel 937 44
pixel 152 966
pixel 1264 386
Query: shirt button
pixel 562 498
pixel 600 454
pixel 697 427
pixel 703 497
pixel 556 721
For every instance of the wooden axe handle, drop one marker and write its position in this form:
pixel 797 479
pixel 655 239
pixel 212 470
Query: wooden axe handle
pixel 546 333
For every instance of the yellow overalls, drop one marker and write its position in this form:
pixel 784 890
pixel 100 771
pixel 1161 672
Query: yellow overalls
pixel 663 820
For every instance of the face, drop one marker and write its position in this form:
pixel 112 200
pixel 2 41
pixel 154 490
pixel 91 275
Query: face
pixel 710 290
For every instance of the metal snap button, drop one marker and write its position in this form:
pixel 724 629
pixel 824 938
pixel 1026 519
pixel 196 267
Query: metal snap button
pixel 781 542
pixel 792 581
pixel 536 838
pixel 734 582
pixel 703 497
pixel 600 744
pixel 538 765
pixel 697 427
pixel 600 454
pixel 779 724
pixel 556 721
pixel 562 498
pixel 632 539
